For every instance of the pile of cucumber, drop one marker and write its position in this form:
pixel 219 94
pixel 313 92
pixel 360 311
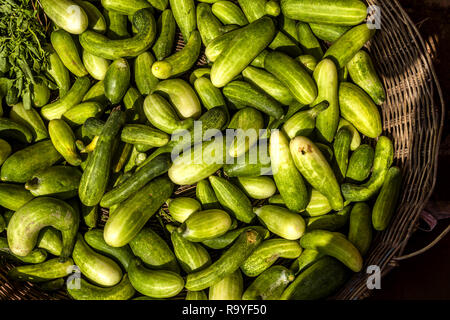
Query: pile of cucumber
pixel 294 223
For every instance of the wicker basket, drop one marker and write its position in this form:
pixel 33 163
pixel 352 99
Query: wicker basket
pixel 412 117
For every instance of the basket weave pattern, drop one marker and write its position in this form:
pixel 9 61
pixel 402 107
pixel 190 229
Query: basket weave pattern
pixel 412 116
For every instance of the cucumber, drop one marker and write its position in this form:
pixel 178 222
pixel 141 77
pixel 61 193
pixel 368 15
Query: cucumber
pixel 292 75
pixel 35 256
pixel 331 222
pixel 121 291
pixel 73 97
pixel 145 81
pixel 360 163
pixel 153 251
pixel 42 272
pixel 210 96
pixel 15 130
pixel 270 284
pixel 182 97
pixel 314 167
pixel 90 215
pixel 123 255
pixel 334 245
pixel 205 194
pixel 309 62
pixel 96 66
pixel 104 47
pixel 185 16
pixel 253 163
pixel 318 281
pixel 139 179
pixel 96 21
pixel 181 208
pixel 328 32
pixel 21 165
pixel 117 25
pixel 164 43
pixel 303 123
pixel 360 227
pixel 31 119
pixel 277 199
pixel 25 224
pixel 96 174
pixel 387 200
pixel 181 61
pixel 281 221
pixel 208 25
pixel 228 263
pixel 356 137
pixel 267 254
pixel 359 109
pixel 363 73
pixel 99 269
pixel 78 114
pixel 159 4
pixel 198 73
pixel 191 256
pixel 232 199
pixel 288 180
pixel 229 13
pixel 318 205
pixel 117 80
pixel 308 41
pixel 67 50
pixel 63 140
pixel 126 7
pixel 272 8
pixel 141 134
pixel 258 187
pixel 13 196
pixel 229 237
pixel 335 12
pixel 154 283
pixel 5 151
pixel 66 14
pixel 255 9
pixel 284 43
pixel 238 55
pixel 204 225
pixel 348 45
pixel 307 259
pixel 341 147
pixel 96 94
pixel 196 295
pixel 49 239
pixel 249 95
pixel 134 104
pixel 229 288
pixel 215 48
pixel 57 181
pixel 132 214
pixel 58 72
pixel 269 84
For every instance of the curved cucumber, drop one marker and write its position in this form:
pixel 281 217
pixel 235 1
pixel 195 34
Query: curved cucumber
pixel 31 119
pixel 360 163
pixel 121 291
pixel 229 288
pixel 192 256
pixel 66 14
pixel 42 272
pixel 49 239
pixel 360 227
pixel 185 15
pixel 35 256
pixel 15 130
pixel 63 140
pixel 67 50
pixel 269 285
pixel 281 221
pixel 164 43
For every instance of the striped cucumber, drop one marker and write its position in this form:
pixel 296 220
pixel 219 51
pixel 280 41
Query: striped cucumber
pixel 185 15
pixel 229 288
pixel 42 272
pixel 281 221
pixel 360 227
pixel 87 291
pixel 191 256
pixel 181 208
pixel 96 21
pixel 67 50
pixel 258 187
pixel 205 194
pixel 253 163
pixel 125 7
pixel 308 41
pixel 13 196
pixel 360 163
pixel 205 225
pixel 165 41
pixel 117 80
pixel 66 14
pixel 208 25
pixel 145 80
pixel 58 72
pixel 31 119
pixel 270 284
pixel 209 95
pixel 318 204
pixel 78 114
pixel 35 256
pixel 332 221
pixel 141 134
pixel 303 123
pixel 328 32
pixel 229 13
pixel 63 140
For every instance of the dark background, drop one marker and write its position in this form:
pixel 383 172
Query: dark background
pixel 428 276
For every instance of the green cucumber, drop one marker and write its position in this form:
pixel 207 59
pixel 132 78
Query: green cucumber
pixel 292 75
pixel 13 196
pixel 359 109
pixel 181 208
pixel 360 163
pixel 281 221
pixel 164 43
pixel 229 13
pixel 341 147
pixel 132 214
pixel 308 41
pixel 141 134
pixel 255 9
pixel 335 245
pixel 209 95
pixel 154 283
pixel 196 295
pixel 67 50
pixel 205 194
pixel 306 259
pixel 35 256
pixel 185 15
pixel 73 97
pixel 198 73
pixel 191 256
pixel 104 47
pixel 25 224
pixel 99 269
pixel 363 73
pixel 229 237
pixel 267 254
pixel 318 281
pixel 134 104
pixel 58 72
pixel 228 263
pixel 145 81
pixel 288 180
pixel 49 239
pixel 31 119
pixel 232 199
pixel 126 7
pixel 336 12
pixel 40 94
pixel 66 14
pixel 86 291
pixel 207 24
pixel 117 25
pixel 277 199
pixel 96 94
pixel 356 137
pixel 328 32
pixel 253 163
pixel 238 55
pixel 21 165
pixel 314 167
pixel 387 200
pixel 15 130
pixel 258 187
pixel 318 205
pixel 303 123
pixel 331 222
pixel 78 114
pixel 270 284
pixel 63 140
pixel 57 181
pixel 117 80
pixel 229 288
pixel 153 251
pixel 286 44
pixel 204 225
pixel 159 4
pixel 42 272
pixel 96 174
pixel 96 66
pixel 96 21
pixel 181 61
pixel 360 227
pixel 309 62
pixel 215 48
pixel 345 48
